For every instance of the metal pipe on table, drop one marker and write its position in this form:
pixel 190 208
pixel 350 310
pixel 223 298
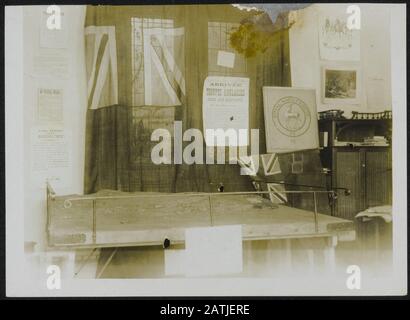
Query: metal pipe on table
pixel 188 194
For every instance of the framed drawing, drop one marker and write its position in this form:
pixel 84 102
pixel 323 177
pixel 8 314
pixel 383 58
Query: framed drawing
pixel 340 85
pixel 290 119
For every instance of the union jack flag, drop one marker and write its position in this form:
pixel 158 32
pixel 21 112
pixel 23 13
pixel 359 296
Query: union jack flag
pixel 101 66
pixel 157 62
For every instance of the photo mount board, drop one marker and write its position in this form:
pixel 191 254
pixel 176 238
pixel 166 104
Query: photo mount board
pixel 345 68
pixel 290 119
pixel 336 41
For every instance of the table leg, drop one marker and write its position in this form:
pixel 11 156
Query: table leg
pixel 330 255
pixel 106 263
pixel 84 263
pixel 288 254
pixel 311 260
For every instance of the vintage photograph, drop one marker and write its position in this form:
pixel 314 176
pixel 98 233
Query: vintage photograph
pixel 206 150
pixel 341 85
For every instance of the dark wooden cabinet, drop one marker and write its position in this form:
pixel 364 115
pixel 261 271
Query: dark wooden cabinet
pixel 378 172
pixel 364 169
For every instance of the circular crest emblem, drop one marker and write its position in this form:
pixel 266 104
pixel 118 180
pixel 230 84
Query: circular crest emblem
pixel 291 116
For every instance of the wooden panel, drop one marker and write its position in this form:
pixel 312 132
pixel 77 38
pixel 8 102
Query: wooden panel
pixel 71 225
pixel 261 219
pixel 378 178
pixel 349 174
pixel 150 218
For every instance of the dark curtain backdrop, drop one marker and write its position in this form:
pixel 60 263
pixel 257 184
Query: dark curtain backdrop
pixel 118 145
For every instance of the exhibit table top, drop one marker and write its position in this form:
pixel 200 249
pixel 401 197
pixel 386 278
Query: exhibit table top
pixel 111 218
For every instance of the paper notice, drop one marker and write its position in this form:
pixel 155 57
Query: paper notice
pixel 51 156
pixel 53 37
pixel 50 105
pixel 226 59
pixel 55 64
pixel 226 107
pixel 213 251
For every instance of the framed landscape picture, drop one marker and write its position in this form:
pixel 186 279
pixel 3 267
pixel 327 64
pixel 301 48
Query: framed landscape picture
pixel 340 85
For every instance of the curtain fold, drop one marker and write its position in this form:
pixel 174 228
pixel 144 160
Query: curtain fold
pixel 119 125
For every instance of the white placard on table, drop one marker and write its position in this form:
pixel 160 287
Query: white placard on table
pixel 212 251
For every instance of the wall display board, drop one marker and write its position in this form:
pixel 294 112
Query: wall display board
pixel 290 119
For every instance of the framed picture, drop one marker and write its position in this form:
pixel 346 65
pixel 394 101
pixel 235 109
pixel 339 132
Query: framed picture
pixel 341 85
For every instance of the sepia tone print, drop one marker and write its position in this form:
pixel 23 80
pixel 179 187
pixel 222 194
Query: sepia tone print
pixel 340 84
pixel 205 149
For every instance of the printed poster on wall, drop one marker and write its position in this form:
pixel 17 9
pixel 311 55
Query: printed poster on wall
pixel 56 37
pixel 290 119
pixel 336 40
pixel 225 106
pixel 49 105
pixel 51 64
pixel 51 156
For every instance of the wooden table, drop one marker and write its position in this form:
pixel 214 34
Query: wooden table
pixel 112 219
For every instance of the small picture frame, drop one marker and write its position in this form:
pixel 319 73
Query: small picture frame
pixel 341 84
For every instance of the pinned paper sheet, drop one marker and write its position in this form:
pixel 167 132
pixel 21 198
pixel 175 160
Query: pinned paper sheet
pixel 53 37
pixel 50 157
pixel 213 251
pixel 226 59
pixel 50 105
pixel 225 106
pixel 54 64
